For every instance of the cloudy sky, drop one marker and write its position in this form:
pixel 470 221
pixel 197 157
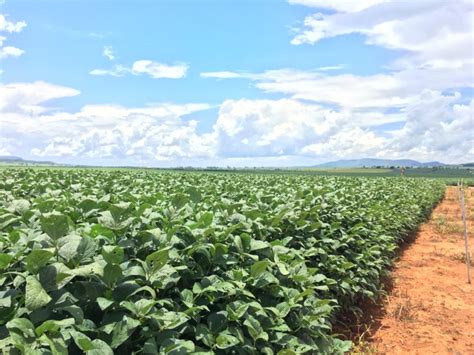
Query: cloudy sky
pixel 236 82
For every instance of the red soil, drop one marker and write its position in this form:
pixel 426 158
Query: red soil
pixel 429 308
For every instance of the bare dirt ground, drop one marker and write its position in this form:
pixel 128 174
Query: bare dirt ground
pixel 429 308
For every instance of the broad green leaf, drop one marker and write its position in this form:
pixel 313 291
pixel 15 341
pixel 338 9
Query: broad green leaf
pixel 217 321
pixel 258 268
pixel 179 200
pixel 158 259
pixel 255 329
pixel 5 260
pixel 56 225
pixel 194 194
pixel 112 254
pixel 91 347
pixel 122 331
pixel 104 303
pixel 37 259
pixel 54 326
pixel 22 325
pixel 226 341
pixel 112 273
pixel 35 296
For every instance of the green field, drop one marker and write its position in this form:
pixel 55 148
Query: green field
pixel 144 261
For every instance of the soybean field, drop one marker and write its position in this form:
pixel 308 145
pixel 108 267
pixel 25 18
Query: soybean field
pixel 145 262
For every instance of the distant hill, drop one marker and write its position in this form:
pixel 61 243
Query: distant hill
pixel 369 163
pixel 11 159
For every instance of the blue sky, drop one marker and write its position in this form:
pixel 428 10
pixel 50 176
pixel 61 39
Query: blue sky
pixel 242 83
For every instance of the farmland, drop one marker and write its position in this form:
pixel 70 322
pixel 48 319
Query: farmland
pixel 138 261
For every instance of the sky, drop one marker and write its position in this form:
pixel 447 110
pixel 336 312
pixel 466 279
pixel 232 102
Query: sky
pixel 236 82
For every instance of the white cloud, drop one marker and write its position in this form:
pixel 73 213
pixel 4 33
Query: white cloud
pixel 152 133
pixel 6 52
pixel 8 26
pixel 338 5
pixel 27 97
pixel 273 127
pixel 153 69
pixel 6 146
pixel 331 67
pixel 390 90
pixel 278 74
pixel 221 75
pixel 108 53
pixel 157 70
pixel 434 34
pixel 117 71
pixel 348 143
pixel 434 126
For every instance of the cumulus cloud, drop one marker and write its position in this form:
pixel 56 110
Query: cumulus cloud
pixel 433 126
pixel 153 69
pixel 108 53
pixel 290 127
pixel 150 133
pixel 434 34
pixel 10 52
pixel 117 71
pixel 9 27
pixel 436 127
pixel 390 90
pixel 27 97
pixel 157 70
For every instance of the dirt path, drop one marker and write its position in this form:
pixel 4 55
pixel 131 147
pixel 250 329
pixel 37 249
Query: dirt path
pixel 430 307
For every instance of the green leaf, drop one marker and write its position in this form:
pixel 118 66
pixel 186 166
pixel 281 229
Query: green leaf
pixel 112 273
pixel 170 320
pixel 54 326
pixel 54 224
pixel 217 321
pixel 68 246
pixel 258 245
pixel 5 260
pixel 37 259
pixel 104 303
pixel 255 329
pixel 94 347
pixel 35 296
pixel 258 268
pixel 19 206
pixel 22 325
pixel 206 219
pixel 194 194
pixel 179 200
pixel 112 254
pixel 85 250
pixel 226 341
pixel 158 259
pixel 122 331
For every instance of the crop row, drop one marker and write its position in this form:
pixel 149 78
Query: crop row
pixel 102 262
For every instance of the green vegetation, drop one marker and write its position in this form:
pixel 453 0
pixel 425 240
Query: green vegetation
pixel 139 261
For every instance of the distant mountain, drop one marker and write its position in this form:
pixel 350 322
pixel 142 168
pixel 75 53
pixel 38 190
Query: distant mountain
pixel 11 159
pixel 369 163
